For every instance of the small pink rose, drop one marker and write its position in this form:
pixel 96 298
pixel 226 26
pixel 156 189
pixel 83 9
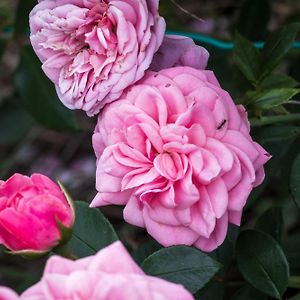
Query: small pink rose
pixel 177 51
pixel 93 49
pixel 30 210
pixel 109 274
pixel 176 151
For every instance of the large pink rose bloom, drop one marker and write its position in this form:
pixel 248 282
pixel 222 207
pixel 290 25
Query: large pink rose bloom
pixel 111 274
pixel 93 49
pixel 30 209
pixel 176 151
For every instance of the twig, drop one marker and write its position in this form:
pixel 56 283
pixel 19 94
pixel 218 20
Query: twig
pixel 186 11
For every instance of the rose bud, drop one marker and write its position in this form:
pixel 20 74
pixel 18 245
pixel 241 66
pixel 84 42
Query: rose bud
pixel 92 50
pixel 109 274
pixel 176 151
pixel 35 215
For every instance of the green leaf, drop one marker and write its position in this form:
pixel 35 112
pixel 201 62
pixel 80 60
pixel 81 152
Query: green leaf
pixel 291 248
pixel 271 222
pixel 276 81
pixel 14 121
pixel 180 264
pixel 22 18
pixel 253 19
pixel 262 262
pixel 277 140
pixel 269 120
pixel 91 231
pixel 276 47
pixel 275 97
pixel 39 95
pixel 246 57
pixel 145 250
pixel 295 180
pixel 248 293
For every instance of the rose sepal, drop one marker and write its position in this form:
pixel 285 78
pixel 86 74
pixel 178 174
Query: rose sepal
pixel 29 254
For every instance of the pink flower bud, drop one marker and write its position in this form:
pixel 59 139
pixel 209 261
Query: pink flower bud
pixel 32 212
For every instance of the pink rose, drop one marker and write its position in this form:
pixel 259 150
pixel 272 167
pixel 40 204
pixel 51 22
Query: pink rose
pixel 110 274
pixel 176 151
pixel 92 50
pixel 179 51
pixel 7 294
pixel 30 209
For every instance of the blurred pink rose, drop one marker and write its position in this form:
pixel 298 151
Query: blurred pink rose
pixel 29 211
pixel 179 51
pixel 8 294
pixel 177 152
pixel 110 274
pixel 92 50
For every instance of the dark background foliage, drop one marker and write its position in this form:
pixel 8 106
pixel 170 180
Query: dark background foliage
pixel 37 134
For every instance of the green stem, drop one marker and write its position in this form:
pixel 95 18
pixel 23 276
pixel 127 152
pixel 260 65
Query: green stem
pixel 294 282
pixel 274 119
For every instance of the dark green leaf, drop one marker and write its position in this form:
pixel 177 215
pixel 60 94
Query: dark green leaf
pixel 22 17
pixel 248 293
pixel 253 19
pixel 145 250
pixel 295 180
pixel 292 248
pixel 39 95
pixel 277 140
pixel 262 262
pixel 247 57
pixel 275 97
pixel 14 121
pixel 180 264
pixel 212 291
pixel 276 47
pixel 277 81
pixel 269 120
pixel 271 222
pixel 91 232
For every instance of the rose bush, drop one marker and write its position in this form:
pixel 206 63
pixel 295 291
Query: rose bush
pixel 92 50
pixel 179 51
pixel 30 209
pixel 110 274
pixel 176 151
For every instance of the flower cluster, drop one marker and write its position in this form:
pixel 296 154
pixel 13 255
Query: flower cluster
pixel 171 146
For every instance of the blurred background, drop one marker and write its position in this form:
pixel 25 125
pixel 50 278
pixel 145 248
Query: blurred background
pixel 38 134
